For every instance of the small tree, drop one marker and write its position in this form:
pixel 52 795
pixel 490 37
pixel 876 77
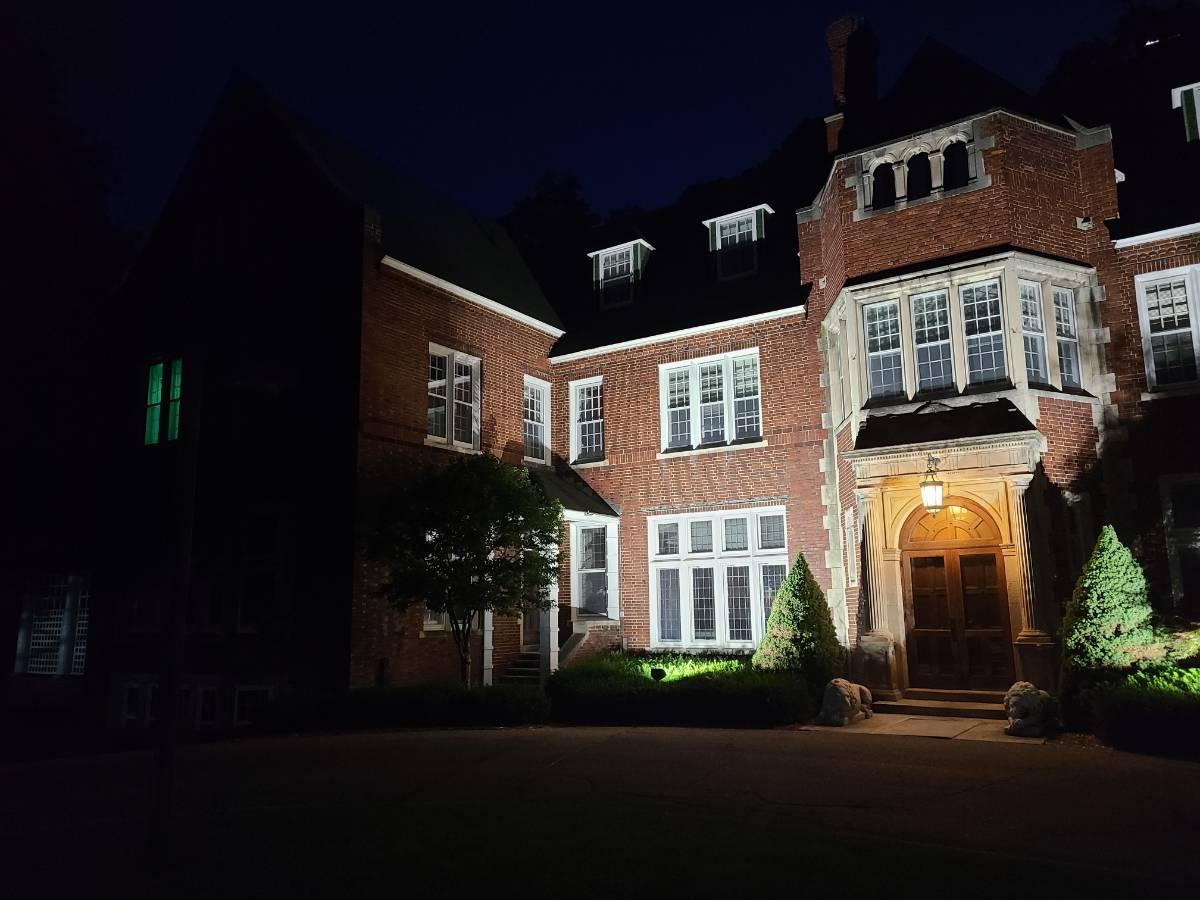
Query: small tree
pixel 800 634
pixel 1108 619
pixel 468 538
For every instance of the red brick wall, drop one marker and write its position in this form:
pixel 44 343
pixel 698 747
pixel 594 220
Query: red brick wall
pixel 786 471
pixel 1071 438
pixel 401 316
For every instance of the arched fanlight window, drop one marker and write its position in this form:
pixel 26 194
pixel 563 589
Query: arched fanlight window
pixel 920 178
pixel 884 188
pixel 955 172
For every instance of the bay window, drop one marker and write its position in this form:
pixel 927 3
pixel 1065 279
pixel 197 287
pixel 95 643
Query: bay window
pixel 1033 331
pixel 710 402
pixel 931 335
pixel 1067 333
pixel 984 332
pixel 715 594
pixel 882 322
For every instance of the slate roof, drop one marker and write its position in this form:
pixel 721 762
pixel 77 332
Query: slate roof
pixel 570 490
pixel 421 227
pixel 941 422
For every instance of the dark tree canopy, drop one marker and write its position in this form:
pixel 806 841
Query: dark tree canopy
pixel 471 537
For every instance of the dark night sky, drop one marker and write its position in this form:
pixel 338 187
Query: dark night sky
pixel 479 99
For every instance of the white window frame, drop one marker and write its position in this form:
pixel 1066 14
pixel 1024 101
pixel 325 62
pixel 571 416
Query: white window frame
pixel 576 522
pixel 575 387
pixel 614 256
pixel 868 354
pixel 1058 292
pixel 751 212
pixel 720 561
pixel 737 221
pixel 1033 328
pixel 1176 537
pixel 537 384
pixel 1005 345
pixel 693 366
pixel 1191 275
pixel 948 341
pixel 454 358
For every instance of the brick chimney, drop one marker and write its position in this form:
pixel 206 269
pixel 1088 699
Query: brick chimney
pixel 853 58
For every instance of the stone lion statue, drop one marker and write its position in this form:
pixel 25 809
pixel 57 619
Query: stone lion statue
pixel 1031 713
pixel 844 702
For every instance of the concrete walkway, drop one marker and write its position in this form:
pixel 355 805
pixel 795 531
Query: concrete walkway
pixel 946 727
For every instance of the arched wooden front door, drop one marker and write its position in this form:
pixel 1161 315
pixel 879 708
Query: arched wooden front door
pixel 955 602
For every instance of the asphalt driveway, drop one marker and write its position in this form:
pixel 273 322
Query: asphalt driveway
pixel 610 811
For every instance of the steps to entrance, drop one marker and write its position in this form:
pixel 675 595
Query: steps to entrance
pixel 961 704
pixel 526 669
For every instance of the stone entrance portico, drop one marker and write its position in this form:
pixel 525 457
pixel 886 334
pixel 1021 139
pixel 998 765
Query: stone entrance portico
pixel 988 515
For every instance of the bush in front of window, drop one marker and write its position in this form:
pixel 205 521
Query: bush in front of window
pixel 800 634
pixel 616 689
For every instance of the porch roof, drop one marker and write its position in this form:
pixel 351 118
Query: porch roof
pixel 571 491
pixel 936 421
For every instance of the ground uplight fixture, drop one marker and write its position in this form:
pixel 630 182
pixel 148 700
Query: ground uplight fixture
pixel 932 487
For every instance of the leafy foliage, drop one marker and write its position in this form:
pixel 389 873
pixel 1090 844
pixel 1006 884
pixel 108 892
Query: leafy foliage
pixel 800 634
pixel 1107 624
pixel 1156 711
pixel 616 688
pixel 473 536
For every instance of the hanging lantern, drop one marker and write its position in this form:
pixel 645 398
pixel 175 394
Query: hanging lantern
pixel 931 487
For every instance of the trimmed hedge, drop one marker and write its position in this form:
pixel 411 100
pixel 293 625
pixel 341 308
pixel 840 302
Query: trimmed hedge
pixel 600 693
pixel 1155 711
pixel 414 705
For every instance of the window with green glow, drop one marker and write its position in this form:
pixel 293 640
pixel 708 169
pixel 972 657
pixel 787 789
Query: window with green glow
pixel 154 402
pixel 176 396
pixel 155 374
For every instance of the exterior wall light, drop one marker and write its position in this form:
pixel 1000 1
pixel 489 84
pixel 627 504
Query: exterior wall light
pixel 931 487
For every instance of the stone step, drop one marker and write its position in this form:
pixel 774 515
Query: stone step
pixel 511 678
pixel 954 696
pixel 961 709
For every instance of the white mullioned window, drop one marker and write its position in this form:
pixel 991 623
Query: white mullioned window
pixel 616 265
pixel 1033 332
pixel 536 420
pixel 735 231
pixel 984 332
pixel 593 568
pixel 711 401
pixel 1066 328
pixel 53 633
pixel 884 368
pixel 587 420
pixel 931 337
pixel 1167 312
pixel 718 593
pixel 453 406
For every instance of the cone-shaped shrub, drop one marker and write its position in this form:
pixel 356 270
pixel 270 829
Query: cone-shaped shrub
pixel 1108 620
pixel 800 635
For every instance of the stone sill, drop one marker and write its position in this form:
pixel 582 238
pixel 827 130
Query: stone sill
pixel 701 451
pixel 1177 390
pixel 596 464
pixel 442 445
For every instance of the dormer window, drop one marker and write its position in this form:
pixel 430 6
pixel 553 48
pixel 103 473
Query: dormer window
pixel 733 237
pixel 1186 98
pixel 615 271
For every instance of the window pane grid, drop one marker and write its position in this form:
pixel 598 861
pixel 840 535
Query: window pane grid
pixel 701 537
pixel 1034 333
pixel 712 404
pixel 618 264
pixel 435 418
pixel 668 538
pixel 669 623
pixel 739 231
pixel 593 569
pixel 747 415
pixel 590 410
pixel 704 606
pixel 770 532
pixel 772 578
pixel 983 329
pixel 1066 328
pixel 679 399
pixel 931 335
pixel 463 405
pixel 883 348
pixel 735 535
pixel 737 599
pixel 534 422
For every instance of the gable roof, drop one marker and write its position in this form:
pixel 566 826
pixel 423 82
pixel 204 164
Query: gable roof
pixel 419 226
